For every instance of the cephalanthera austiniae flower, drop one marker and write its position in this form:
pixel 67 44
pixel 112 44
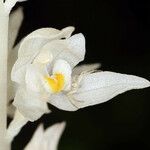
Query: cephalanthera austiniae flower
pixel 45 72
pixel 46 140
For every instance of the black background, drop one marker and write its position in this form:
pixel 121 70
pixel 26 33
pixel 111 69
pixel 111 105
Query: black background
pixel 117 35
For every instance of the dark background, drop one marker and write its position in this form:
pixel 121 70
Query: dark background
pixel 117 35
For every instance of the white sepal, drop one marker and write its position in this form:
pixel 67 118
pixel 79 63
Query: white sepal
pixel 100 87
pixel 48 139
pixel 30 104
pixel 97 88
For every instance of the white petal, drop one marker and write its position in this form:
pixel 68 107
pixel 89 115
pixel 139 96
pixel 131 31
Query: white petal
pixel 63 102
pixel 31 47
pixel 62 67
pixel 102 86
pixel 34 41
pixel 85 68
pixel 30 105
pixel 44 57
pixel 36 140
pixel 52 135
pixel 35 73
pixel 76 44
pixel 72 49
pixel 19 69
pixel 15 21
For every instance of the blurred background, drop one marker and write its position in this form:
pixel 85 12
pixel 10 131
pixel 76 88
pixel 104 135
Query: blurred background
pixel 117 35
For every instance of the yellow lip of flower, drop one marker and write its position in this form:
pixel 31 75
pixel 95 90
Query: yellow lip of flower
pixel 56 83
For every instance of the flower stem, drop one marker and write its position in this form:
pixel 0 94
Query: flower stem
pixel 4 18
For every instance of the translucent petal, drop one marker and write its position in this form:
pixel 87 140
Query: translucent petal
pixel 30 104
pixel 31 47
pixel 72 49
pixel 102 86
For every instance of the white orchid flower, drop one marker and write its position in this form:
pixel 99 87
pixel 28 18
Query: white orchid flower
pixel 45 72
pixel 48 139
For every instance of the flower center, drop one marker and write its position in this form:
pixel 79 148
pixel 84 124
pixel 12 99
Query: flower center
pixel 56 83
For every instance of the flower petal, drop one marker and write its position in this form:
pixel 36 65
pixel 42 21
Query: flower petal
pixel 35 40
pixel 102 86
pixel 19 69
pixel 76 44
pixel 30 105
pixel 31 47
pixel 34 75
pixel 72 49
pixel 44 57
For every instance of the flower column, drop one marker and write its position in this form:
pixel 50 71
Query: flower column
pixel 4 17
